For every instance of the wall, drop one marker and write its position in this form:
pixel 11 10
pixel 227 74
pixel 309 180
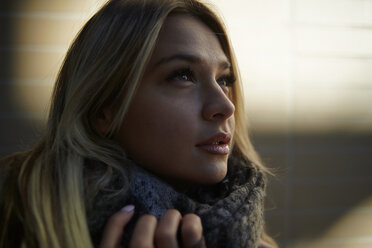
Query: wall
pixel 307 68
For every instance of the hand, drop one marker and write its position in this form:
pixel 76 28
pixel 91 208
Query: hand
pixel 263 244
pixel 148 231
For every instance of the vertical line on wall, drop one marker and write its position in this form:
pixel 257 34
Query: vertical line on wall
pixel 290 153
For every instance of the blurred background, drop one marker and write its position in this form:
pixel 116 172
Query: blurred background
pixel 307 70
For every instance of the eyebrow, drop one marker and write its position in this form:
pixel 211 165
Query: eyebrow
pixel 190 58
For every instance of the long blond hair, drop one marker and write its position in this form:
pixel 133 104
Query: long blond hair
pixel 47 187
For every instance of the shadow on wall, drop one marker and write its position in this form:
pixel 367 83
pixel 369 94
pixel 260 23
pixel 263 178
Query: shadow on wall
pixel 321 195
pixel 18 129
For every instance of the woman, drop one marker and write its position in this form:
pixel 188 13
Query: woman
pixel 147 116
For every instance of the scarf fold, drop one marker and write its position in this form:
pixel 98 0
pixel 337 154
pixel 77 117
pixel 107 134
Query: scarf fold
pixel 231 210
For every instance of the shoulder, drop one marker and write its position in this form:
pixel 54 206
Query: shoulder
pixel 10 167
pixel 11 164
pixel 12 160
pixel 10 203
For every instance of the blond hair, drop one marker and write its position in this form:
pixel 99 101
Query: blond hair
pixel 47 187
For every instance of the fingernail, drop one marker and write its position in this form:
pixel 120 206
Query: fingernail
pixel 128 208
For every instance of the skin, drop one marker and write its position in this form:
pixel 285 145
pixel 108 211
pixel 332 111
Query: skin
pixel 150 232
pixel 171 114
pixel 181 102
pixel 183 99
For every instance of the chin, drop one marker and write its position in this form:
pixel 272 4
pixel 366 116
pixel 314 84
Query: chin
pixel 215 176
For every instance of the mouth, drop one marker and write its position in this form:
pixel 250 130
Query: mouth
pixel 218 144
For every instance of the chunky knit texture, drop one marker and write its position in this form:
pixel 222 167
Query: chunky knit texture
pixel 231 211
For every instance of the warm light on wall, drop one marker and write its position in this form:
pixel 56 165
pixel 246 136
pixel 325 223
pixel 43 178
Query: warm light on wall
pixel 310 73
pixel 353 229
pixel 42 35
pixel 306 67
pixel 309 77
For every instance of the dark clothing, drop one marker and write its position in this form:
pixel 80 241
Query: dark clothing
pixel 231 211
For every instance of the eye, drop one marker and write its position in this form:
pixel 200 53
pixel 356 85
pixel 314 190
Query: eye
pixel 182 75
pixel 226 80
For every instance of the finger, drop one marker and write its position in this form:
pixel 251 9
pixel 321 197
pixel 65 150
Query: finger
pixel 166 231
pixel 114 228
pixel 263 244
pixel 143 234
pixel 192 231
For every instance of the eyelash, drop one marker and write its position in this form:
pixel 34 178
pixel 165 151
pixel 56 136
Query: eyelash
pixel 229 80
pixel 178 75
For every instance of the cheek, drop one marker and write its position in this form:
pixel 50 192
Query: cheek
pixel 154 133
pixel 231 123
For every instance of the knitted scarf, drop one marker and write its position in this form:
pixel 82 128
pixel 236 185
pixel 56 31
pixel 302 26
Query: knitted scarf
pixel 231 210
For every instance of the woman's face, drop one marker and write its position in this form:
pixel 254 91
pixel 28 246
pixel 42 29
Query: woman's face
pixel 181 121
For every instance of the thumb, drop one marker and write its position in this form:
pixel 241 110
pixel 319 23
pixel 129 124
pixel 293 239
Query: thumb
pixel 114 227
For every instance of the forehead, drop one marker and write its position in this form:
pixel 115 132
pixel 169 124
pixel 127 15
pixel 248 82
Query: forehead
pixel 186 34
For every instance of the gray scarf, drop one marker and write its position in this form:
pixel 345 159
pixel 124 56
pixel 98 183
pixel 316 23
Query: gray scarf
pixel 231 211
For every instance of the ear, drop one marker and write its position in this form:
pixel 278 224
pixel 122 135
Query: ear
pixel 104 120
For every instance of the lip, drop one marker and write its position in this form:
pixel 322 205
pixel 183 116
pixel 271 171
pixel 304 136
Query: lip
pixel 218 144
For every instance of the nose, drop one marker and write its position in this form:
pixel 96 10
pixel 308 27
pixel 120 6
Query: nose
pixel 216 104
